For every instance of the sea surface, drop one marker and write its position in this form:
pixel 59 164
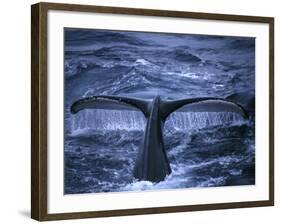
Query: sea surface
pixel 206 149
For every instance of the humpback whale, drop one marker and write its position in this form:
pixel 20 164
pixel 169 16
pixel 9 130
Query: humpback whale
pixel 152 163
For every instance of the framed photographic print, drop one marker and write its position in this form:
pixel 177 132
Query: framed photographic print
pixel 139 111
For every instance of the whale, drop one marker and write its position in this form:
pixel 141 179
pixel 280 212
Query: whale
pixel 245 99
pixel 152 162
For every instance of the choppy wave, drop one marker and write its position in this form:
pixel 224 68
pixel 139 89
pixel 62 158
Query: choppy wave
pixel 204 149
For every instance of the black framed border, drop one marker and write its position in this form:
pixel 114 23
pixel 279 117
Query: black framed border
pixel 39 121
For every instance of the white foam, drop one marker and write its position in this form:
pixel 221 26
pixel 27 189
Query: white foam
pixel 134 120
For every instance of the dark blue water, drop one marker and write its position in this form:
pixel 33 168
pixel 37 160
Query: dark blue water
pixel 205 149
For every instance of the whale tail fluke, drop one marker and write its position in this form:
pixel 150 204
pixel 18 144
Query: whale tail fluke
pixel 111 103
pixel 152 163
pixel 202 104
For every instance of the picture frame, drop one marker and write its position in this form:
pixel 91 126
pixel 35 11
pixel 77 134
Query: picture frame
pixel 43 93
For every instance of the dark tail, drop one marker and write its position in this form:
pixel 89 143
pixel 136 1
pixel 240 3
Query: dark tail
pixel 111 103
pixel 152 163
pixel 202 104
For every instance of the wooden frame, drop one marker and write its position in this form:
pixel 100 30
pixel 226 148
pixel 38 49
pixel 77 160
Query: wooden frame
pixel 39 110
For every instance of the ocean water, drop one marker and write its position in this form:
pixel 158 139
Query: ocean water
pixel 206 149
